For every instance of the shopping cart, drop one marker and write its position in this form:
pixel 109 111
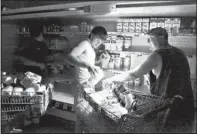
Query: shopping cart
pixel 145 111
pixel 24 106
pixel 17 106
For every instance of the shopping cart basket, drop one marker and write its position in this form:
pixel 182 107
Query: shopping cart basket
pixel 145 110
pixel 14 104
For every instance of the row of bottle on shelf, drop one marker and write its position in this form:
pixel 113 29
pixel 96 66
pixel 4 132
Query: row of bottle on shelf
pixel 11 115
pixel 82 27
pixel 46 28
pixel 117 62
pixel 6 116
pixel 13 108
pixel 118 43
pixel 17 101
pixel 142 25
pixel 57 42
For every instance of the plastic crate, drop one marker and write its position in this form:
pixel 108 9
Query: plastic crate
pixel 30 106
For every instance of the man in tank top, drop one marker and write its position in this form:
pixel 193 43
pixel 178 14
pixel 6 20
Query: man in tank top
pixel 83 56
pixel 169 76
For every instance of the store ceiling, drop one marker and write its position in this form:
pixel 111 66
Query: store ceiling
pixel 59 8
pixel 14 4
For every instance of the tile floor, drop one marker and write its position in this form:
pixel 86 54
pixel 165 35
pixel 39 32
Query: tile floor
pixel 48 124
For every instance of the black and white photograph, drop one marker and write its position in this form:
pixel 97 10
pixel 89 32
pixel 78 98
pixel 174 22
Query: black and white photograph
pixel 73 66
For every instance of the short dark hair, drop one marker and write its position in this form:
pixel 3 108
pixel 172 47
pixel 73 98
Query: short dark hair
pixel 35 29
pixel 159 31
pixel 100 31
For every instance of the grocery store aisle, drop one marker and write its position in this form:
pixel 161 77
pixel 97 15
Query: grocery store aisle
pixel 49 124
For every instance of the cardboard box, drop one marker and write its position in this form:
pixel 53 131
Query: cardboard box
pixel 119 25
pixel 161 22
pixel 168 24
pixel 132 25
pixel 176 23
pixel 138 25
pixel 119 44
pixel 125 25
pixel 145 25
pixel 153 23
pixel 64 91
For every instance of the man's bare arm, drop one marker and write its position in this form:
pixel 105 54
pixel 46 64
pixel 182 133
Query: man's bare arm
pixel 98 62
pixel 140 70
pixel 73 56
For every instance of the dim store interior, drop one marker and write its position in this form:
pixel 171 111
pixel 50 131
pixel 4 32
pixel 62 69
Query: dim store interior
pixel 31 103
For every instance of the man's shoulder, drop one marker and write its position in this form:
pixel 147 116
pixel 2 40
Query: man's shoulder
pixel 84 43
pixel 154 56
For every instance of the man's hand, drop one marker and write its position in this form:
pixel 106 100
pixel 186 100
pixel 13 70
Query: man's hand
pixel 104 56
pixel 106 83
pixel 92 69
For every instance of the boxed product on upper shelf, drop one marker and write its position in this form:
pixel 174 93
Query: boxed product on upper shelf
pixel 116 42
pixel 173 25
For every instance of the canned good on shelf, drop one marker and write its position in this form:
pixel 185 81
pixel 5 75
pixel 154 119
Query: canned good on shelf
pixel 117 64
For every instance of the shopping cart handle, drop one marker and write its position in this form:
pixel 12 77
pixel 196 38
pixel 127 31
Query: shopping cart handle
pixel 148 116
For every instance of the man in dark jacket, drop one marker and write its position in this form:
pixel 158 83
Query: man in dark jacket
pixel 33 53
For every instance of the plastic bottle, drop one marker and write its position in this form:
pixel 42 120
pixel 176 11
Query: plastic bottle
pixel 111 63
pixel 81 27
pixel 84 27
pixel 128 100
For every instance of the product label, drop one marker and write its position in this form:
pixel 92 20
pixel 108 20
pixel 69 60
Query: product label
pixel 117 62
pixel 127 43
pixel 145 20
pixel 161 22
pixel 138 20
pixel 107 45
pixel 138 27
pixel 176 22
pixel 113 45
pixel 168 24
pixel 153 23
pixel 126 62
pixel 132 27
pixel 119 25
pixel 145 27
pixel 125 25
pixel 119 44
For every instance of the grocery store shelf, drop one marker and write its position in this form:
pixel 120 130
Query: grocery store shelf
pixel 17 103
pixel 117 33
pixel 68 33
pixel 12 111
pixel 114 71
pixel 119 52
pixel 58 33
